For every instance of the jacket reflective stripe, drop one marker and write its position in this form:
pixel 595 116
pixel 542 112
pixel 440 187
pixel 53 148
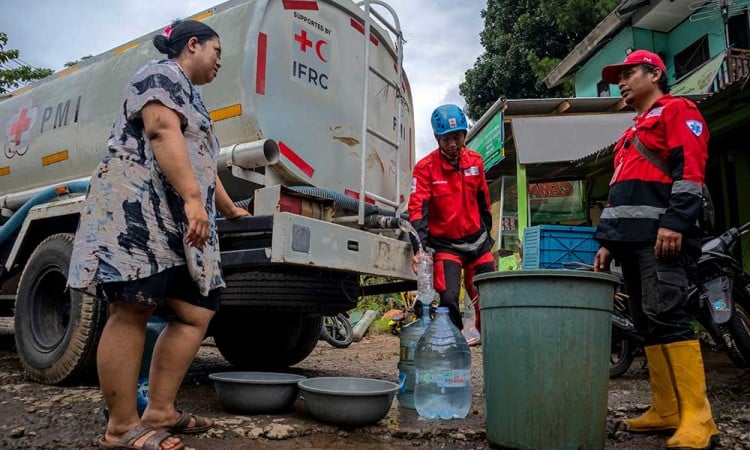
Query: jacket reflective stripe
pixel 632 212
pixel 687 187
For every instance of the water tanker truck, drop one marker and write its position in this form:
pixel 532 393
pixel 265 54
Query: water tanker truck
pixel 317 142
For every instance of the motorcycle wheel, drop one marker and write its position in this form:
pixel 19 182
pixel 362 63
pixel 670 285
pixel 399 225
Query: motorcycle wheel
pixel 337 331
pixel 738 329
pixel 621 356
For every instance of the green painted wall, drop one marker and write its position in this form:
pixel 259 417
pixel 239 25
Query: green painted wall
pixel 591 72
pixel 650 40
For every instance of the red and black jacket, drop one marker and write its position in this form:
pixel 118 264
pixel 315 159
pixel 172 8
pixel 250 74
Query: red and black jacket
pixel 642 198
pixel 449 206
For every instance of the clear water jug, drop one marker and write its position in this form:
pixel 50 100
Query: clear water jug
pixel 442 369
pixel 408 339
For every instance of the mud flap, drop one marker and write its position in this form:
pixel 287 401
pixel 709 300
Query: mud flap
pixel 718 296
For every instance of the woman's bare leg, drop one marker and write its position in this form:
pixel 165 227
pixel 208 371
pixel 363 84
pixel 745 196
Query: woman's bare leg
pixel 118 362
pixel 173 354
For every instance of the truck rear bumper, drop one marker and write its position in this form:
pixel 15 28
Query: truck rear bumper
pixel 286 238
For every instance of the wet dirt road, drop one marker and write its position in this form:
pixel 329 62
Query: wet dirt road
pixel 50 417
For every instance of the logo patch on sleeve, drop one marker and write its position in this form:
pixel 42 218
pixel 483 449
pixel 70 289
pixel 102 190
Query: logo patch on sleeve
pixel 695 126
pixel 413 185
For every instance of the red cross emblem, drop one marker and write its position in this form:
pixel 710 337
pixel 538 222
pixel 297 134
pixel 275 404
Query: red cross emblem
pixel 20 126
pixel 304 42
pixel 18 130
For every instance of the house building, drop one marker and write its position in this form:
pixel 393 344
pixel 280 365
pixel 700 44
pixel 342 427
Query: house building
pixel 705 46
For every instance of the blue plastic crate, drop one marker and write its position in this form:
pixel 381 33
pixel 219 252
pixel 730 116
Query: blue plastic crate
pixel 549 246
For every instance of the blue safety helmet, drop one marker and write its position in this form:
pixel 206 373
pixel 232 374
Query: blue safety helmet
pixel 447 119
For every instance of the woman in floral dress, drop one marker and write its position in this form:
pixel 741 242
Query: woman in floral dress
pixel 147 237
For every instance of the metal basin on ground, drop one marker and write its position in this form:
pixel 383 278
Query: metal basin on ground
pixel 256 392
pixel 347 401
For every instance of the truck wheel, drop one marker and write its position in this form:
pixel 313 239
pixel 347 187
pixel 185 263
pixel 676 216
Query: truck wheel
pixel 56 329
pixel 254 340
pixel 291 289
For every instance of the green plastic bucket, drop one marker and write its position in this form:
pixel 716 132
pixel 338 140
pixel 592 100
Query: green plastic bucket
pixel 546 347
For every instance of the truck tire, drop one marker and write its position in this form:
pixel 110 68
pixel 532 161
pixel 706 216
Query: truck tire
pixel 254 341
pixel 56 329
pixel 291 289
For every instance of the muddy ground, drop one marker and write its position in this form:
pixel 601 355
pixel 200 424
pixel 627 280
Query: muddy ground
pixel 50 417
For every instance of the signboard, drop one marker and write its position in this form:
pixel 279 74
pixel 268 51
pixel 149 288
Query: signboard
pixel 489 142
pixel 560 201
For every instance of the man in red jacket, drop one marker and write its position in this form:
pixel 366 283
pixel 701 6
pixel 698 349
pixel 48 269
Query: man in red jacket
pixel 648 225
pixel 449 207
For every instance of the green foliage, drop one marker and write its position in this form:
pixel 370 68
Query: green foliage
pixel 380 326
pixel 13 78
pixel 523 41
pixel 379 303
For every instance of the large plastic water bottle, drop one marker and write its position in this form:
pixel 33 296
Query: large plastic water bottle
pixel 442 365
pixel 409 337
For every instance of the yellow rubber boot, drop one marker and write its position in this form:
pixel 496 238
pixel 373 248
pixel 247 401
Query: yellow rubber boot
pixel 663 413
pixel 697 428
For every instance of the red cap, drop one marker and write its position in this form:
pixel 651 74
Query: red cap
pixel 611 73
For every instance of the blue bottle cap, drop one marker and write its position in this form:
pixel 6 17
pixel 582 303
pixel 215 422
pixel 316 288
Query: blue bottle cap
pixel 442 310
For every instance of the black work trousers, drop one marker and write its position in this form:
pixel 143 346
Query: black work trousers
pixel 449 285
pixel 658 291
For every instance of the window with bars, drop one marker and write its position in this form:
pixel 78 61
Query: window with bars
pixel 691 57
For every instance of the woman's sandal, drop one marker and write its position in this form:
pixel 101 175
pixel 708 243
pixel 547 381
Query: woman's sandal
pixel 182 426
pixel 127 441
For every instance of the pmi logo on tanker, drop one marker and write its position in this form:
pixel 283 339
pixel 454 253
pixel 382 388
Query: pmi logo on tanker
pixel 19 128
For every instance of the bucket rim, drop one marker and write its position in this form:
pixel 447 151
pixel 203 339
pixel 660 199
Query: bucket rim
pixel 548 273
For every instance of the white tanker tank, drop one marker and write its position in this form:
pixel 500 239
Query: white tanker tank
pixel 292 71
pixel 290 108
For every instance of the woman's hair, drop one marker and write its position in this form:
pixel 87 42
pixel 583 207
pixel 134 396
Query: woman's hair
pixel 663 85
pixel 177 35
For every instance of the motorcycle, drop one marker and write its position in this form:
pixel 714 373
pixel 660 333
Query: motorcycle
pixel 627 344
pixel 720 295
pixel 337 330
